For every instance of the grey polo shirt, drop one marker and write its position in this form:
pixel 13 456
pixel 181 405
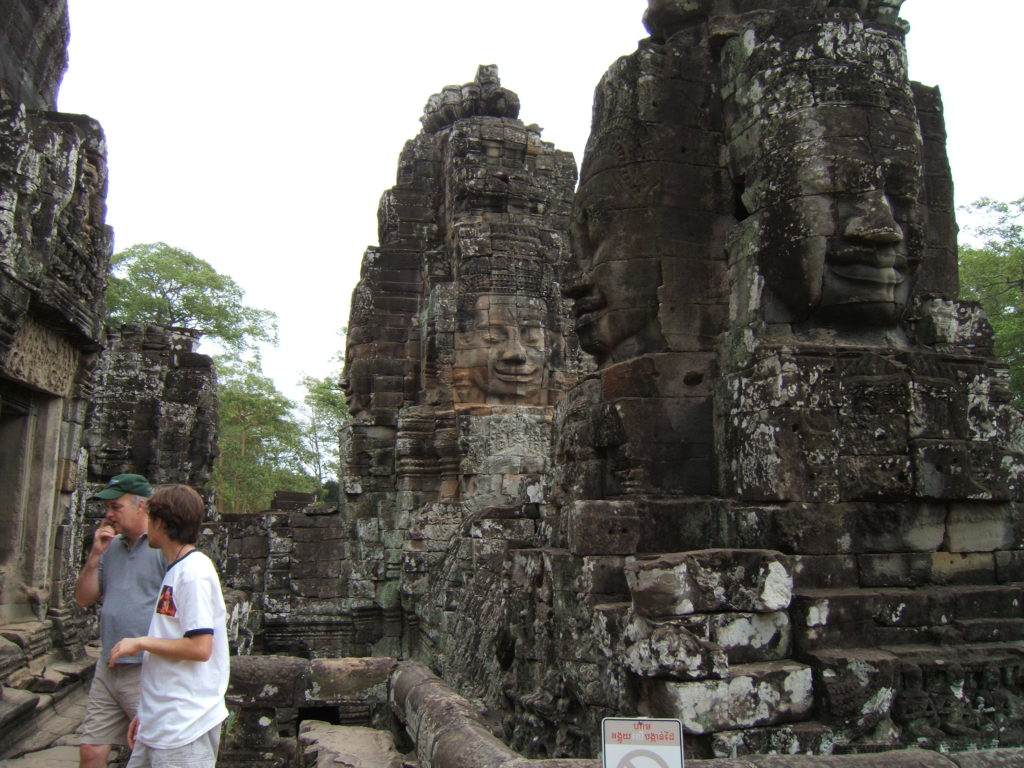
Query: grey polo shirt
pixel 130 579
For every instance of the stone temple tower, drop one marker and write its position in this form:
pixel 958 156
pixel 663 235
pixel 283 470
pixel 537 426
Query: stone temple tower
pixel 459 345
pixel 798 440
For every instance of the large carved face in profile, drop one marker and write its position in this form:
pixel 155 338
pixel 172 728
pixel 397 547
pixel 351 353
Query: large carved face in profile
pixel 501 351
pixel 616 289
pixel 840 234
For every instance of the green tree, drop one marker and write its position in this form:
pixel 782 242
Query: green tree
pixel 157 283
pixel 992 274
pixel 323 412
pixel 261 441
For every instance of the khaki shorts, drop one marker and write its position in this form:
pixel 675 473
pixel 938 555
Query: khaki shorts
pixel 113 701
pixel 201 753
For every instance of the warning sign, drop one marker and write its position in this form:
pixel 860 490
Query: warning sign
pixel 641 743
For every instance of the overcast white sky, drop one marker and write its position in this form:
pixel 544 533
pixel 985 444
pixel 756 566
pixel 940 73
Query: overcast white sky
pixel 260 135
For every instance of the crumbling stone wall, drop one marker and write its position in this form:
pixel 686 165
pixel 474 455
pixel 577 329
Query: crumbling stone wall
pixel 155 407
pixel 54 255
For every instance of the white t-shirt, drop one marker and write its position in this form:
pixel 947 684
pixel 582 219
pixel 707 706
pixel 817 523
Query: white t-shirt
pixel 182 700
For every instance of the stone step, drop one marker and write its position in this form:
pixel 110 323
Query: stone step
pixel 17 709
pixel 52 674
pixel 805 738
pixel 978 657
pixel 832 618
pixel 964 658
pixel 748 696
pixel 32 637
pixel 944 697
pixel 11 657
pixel 325 744
pixel 991 630
pixel 852 617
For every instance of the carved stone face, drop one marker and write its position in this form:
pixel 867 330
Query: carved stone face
pixel 840 237
pixel 616 291
pixel 500 355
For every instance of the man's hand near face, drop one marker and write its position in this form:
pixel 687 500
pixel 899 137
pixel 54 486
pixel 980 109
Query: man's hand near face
pixel 103 536
pixel 87 587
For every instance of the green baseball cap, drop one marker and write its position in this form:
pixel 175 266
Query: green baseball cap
pixel 119 485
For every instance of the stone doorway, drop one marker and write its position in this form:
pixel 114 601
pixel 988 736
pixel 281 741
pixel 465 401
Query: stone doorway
pixel 29 442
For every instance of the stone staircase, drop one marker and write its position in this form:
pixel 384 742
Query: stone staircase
pixel 753 663
pixel 938 666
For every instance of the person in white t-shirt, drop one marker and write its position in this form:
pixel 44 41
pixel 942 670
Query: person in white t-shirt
pixel 185 661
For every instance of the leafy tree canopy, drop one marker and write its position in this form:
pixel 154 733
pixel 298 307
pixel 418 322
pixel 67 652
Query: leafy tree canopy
pixel 993 275
pixel 267 442
pixel 323 413
pixel 261 441
pixel 160 284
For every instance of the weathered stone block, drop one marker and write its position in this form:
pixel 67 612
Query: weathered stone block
pixel 1009 566
pixel 875 478
pixel 991 630
pixel 824 572
pixel 832 618
pixel 938 410
pixel 745 637
pixel 984 602
pixel 859 686
pixel 335 746
pixel 797 739
pixel 679 525
pixel 895 569
pixel 334 679
pixel 880 432
pixel 942 470
pixel 603 528
pixel 669 649
pixel 963 568
pixel 912 607
pixel 11 657
pixel 751 695
pixel 253 547
pixel 252 728
pixel 913 527
pixel 710 580
pixel 603 576
pixel 267 681
pixel 981 527
pixel 805 437
pixel 815 529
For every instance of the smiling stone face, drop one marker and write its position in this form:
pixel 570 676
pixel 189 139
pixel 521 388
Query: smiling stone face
pixel 826 155
pixel 840 236
pixel 501 351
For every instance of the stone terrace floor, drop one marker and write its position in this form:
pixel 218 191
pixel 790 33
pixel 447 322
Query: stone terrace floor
pixel 54 743
pixel 54 740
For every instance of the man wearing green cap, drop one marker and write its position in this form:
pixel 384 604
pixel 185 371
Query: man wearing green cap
pixel 124 574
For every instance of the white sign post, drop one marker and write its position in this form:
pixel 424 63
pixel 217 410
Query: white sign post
pixel 641 742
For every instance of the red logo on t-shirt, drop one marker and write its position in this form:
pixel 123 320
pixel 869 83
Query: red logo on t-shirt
pixel 165 605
